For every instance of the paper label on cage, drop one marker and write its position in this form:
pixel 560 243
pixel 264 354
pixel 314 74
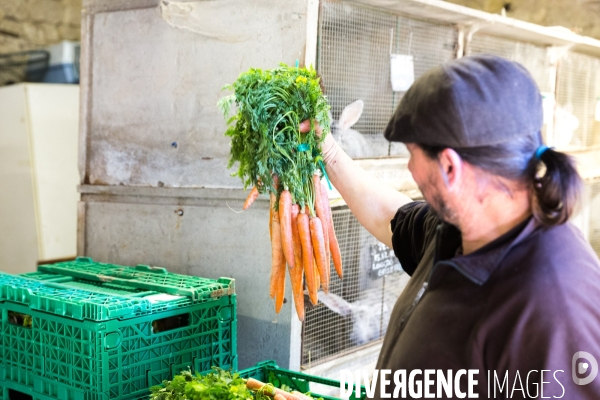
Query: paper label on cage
pixel 155 298
pixel 383 261
pixel 402 69
pixel 548 106
pixel 597 113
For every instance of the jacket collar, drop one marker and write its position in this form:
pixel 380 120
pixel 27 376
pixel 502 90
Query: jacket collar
pixel 481 264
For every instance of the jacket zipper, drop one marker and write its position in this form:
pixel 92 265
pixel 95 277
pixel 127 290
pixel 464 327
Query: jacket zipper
pixel 412 307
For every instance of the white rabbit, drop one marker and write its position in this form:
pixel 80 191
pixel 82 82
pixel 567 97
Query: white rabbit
pixel 366 313
pixel 357 145
pixel 351 141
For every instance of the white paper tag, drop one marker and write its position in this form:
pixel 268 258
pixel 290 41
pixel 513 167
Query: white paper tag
pixel 597 114
pixel 548 106
pixel 402 69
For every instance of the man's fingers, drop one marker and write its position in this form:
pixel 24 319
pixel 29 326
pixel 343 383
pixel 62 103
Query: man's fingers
pixel 305 127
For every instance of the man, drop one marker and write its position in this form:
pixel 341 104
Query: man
pixel 500 283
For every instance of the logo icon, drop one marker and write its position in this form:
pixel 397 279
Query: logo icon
pixel 581 368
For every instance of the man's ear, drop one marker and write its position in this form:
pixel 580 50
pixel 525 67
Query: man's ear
pixel 451 166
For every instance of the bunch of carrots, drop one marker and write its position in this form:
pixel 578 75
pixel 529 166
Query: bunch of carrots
pixel 304 238
pixel 274 157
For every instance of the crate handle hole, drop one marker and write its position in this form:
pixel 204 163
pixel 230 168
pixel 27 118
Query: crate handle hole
pixel 170 323
pixel 14 395
pixel 20 319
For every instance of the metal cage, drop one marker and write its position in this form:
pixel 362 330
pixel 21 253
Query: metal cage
pixel 577 96
pixel 355 43
pixel 326 334
pixel 353 59
pixel 535 58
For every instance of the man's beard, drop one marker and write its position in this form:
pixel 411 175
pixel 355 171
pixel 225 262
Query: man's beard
pixel 440 207
pixel 437 203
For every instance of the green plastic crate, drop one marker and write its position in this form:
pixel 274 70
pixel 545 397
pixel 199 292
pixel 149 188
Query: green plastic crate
pixel 83 330
pixel 269 372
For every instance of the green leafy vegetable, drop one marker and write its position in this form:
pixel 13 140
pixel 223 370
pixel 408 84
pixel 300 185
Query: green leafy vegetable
pixel 216 385
pixel 265 137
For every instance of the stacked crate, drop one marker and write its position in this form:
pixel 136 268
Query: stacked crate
pixel 84 331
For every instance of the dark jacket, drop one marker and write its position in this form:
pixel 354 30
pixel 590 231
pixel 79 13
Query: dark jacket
pixel 527 302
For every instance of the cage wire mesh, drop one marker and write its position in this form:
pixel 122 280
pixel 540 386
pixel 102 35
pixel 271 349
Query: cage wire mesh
pixel 534 58
pixel 353 60
pixel 327 334
pixel 577 95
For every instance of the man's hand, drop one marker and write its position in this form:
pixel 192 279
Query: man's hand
pixel 305 127
pixel 329 147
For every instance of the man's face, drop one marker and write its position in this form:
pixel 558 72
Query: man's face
pixel 428 175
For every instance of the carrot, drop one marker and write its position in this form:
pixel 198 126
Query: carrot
pixel 308 257
pixel 271 212
pixel 297 272
pixel 322 213
pixel 273 198
pixel 318 242
pixel 302 396
pixel 280 288
pixel 277 259
pixel 285 221
pixel 254 384
pixel 334 246
pixel 251 197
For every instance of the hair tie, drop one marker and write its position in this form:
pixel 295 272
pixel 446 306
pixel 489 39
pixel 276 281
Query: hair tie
pixel 541 150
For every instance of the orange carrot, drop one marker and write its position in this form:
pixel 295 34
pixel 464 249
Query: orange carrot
pixel 285 221
pixel 273 198
pixel 297 272
pixel 322 212
pixel 254 384
pixel 318 242
pixel 301 396
pixel 334 247
pixel 326 229
pixel 280 288
pixel 271 212
pixel 251 197
pixel 308 257
pixel 277 259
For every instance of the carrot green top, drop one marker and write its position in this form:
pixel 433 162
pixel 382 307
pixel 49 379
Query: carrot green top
pixel 265 136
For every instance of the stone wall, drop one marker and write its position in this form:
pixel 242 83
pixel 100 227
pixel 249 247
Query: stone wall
pixel 580 16
pixel 30 24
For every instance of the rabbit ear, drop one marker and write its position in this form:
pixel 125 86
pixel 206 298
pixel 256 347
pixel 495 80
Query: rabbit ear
pixel 336 304
pixel 351 114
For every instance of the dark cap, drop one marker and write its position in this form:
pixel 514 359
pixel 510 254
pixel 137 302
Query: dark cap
pixel 473 101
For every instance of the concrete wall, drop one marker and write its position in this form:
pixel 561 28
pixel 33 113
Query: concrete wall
pixel 580 16
pixel 152 139
pixel 30 24
pixel 155 74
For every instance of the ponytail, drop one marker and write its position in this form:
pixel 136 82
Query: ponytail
pixel 557 192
